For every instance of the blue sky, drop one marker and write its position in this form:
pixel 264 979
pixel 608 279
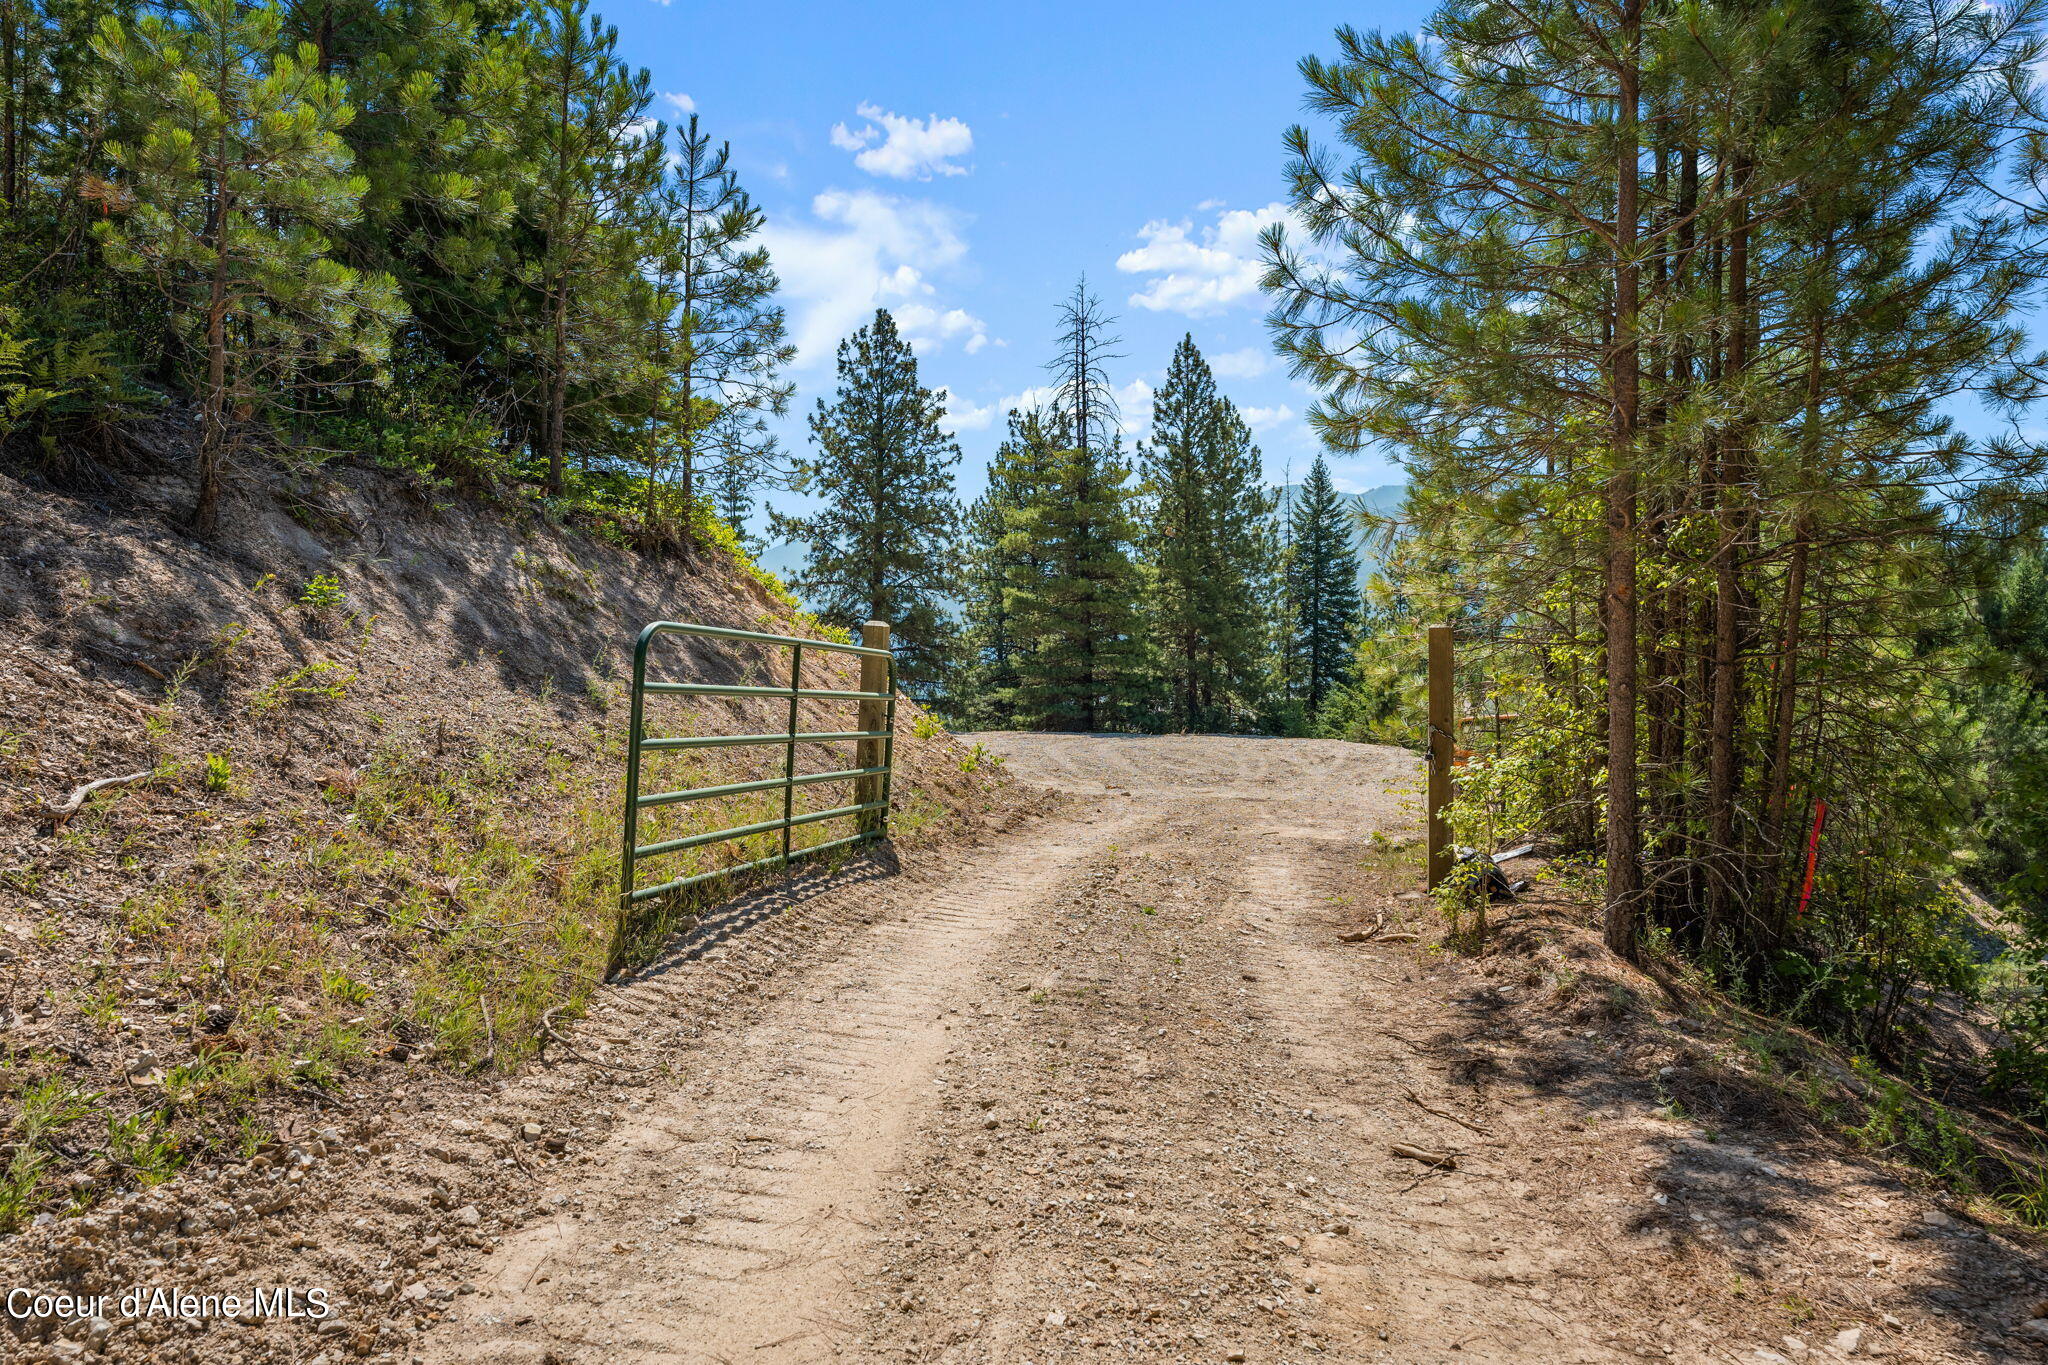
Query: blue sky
pixel 962 165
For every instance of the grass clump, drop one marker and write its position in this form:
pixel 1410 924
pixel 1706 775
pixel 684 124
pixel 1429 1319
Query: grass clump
pixel 310 684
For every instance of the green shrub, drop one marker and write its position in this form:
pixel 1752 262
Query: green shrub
pixel 324 593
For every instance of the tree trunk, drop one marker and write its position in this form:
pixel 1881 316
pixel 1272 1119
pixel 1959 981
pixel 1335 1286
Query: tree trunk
pixel 213 406
pixel 1624 853
pixel 1723 777
pixel 1789 643
pixel 558 394
pixel 213 415
pixel 10 150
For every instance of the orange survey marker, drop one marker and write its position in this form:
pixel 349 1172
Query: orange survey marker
pixel 1820 818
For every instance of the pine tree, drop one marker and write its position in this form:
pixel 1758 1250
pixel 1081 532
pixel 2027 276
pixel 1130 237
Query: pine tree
pixel 1073 600
pixel 574 302
pixel 1665 317
pixel 593 164
pixel 729 341
pixel 1322 589
pixel 2013 702
pixel 1000 556
pixel 1210 545
pixel 434 95
pixel 882 544
pixel 237 177
pixel 1081 397
pixel 732 491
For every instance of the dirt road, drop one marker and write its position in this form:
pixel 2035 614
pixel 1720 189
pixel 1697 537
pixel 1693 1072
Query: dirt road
pixel 1116 1089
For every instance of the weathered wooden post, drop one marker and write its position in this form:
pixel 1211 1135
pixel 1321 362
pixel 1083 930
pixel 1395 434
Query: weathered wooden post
pixel 874 716
pixel 1442 740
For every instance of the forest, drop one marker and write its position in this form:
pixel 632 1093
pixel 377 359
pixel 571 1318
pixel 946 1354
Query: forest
pixel 1700 331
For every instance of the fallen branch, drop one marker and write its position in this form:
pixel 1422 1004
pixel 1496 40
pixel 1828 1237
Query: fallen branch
pixel 61 813
pixel 547 1026
pixel 1443 1114
pixel 1407 1042
pixel 1399 938
pixel 1365 935
pixel 1443 1161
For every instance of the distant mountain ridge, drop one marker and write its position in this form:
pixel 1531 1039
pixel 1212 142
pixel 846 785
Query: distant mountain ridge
pixel 1384 501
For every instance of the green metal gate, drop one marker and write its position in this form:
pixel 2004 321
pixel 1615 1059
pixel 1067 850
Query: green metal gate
pixel 875 754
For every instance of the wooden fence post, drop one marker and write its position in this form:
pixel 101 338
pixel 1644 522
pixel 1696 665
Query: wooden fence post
pixel 1442 739
pixel 874 677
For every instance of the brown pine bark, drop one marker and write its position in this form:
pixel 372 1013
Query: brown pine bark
pixel 1623 909
pixel 10 150
pixel 558 393
pixel 1724 858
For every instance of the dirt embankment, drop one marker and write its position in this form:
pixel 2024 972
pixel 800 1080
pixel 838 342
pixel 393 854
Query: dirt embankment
pixel 368 843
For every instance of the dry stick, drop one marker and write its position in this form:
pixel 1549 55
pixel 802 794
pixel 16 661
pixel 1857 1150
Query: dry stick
pixel 1365 935
pixel 1429 1174
pixel 1412 1099
pixel 1447 1161
pixel 547 1026
pixel 490 1036
pixel 70 807
pixel 1438 1162
pixel 1408 1042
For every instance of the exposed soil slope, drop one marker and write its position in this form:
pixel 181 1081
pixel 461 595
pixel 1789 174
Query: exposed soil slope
pixel 378 749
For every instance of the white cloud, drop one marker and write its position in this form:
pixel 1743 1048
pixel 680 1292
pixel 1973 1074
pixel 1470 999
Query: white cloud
pixel 1040 396
pixel 921 321
pixel 678 101
pixel 1134 405
pixel 962 415
pixel 1265 419
pixel 905 148
pixel 1197 271
pixel 858 256
pixel 1249 363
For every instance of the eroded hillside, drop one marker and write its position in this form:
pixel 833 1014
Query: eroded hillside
pixel 365 832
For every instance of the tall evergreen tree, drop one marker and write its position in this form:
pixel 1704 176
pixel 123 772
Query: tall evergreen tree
pixel 1073 601
pixel 229 193
pixel 734 496
pixel 882 545
pixel 595 162
pixel 2013 703
pixel 1081 395
pixel 1210 545
pixel 1666 317
pixel 1321 573
pixel 1001 556
pixel 575 298
pixel 723 341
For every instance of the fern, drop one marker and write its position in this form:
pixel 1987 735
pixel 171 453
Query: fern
pixel 47 384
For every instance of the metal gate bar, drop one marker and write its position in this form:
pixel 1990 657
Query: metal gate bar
pixel 872 779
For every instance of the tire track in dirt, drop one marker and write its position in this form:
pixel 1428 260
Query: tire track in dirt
pixel 1445 1262
pixel 728 1212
